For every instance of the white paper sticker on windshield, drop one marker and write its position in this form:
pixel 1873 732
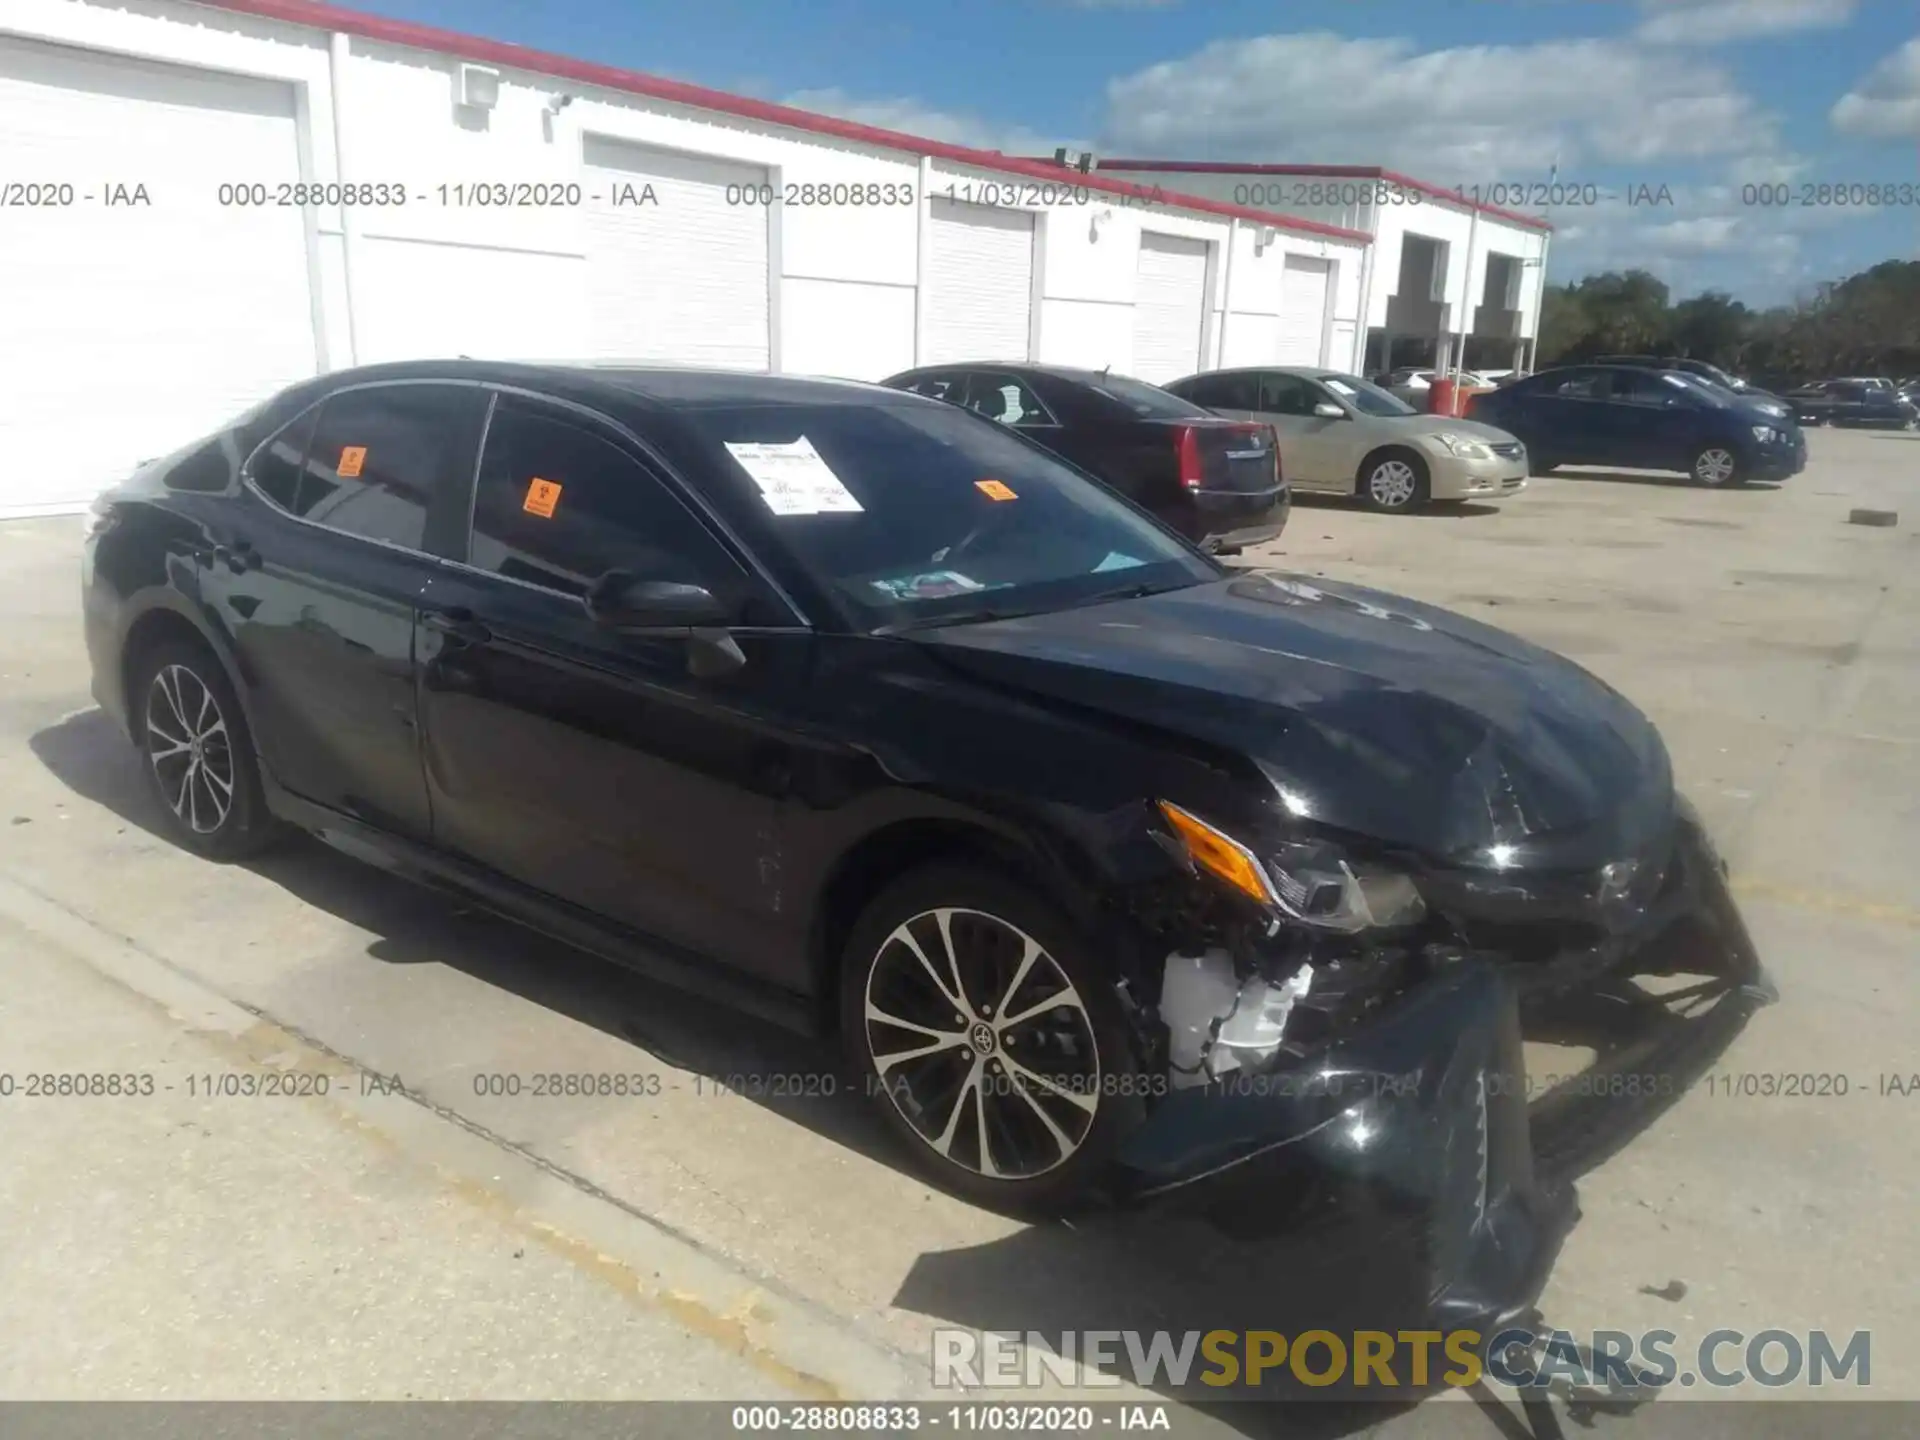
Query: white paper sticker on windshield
pixel 1339 387
pixel 792 477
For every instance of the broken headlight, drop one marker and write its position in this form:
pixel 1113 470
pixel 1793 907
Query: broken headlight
pixel 1317 885
pixel 1311 882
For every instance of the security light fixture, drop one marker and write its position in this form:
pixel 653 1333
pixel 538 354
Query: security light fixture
pixel 479 87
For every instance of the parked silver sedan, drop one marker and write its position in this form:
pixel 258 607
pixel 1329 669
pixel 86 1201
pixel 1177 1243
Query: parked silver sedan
pixel 1343 435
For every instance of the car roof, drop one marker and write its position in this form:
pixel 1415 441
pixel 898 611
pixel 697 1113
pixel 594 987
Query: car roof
pixel 1306 372
pixel 1019 368
pixel 677 387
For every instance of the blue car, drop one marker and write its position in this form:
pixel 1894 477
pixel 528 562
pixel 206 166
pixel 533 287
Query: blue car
pixel 1645 420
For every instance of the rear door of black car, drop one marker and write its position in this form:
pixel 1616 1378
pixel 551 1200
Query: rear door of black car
pixel 318 576
pixel 592 765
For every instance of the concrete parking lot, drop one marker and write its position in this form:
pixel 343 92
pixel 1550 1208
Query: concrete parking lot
pixel 409 1234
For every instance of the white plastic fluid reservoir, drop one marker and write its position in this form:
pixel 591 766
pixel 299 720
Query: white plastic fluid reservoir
pixel 1196 991
pixel 1259 1022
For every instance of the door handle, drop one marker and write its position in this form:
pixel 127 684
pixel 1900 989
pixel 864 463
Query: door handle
pixel 459 625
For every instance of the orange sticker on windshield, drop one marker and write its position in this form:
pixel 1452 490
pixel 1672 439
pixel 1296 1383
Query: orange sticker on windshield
pixel 542 496
pixel 994 490
pixel 353 459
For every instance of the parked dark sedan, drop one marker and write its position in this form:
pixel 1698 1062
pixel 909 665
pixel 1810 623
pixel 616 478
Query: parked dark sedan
pixel 1707 371
pixel 1114 868
pixel 1644 419
pixel 1218 482
pixel 1854 403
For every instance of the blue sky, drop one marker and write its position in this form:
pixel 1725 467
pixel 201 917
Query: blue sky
pixel 1702 96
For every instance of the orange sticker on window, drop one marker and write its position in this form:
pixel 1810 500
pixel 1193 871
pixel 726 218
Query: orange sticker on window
pixel 994 490
pixel 353 459
pixel 542 496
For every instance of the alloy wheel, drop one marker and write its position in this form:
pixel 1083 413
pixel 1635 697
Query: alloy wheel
pixel 1392 483
pixel 982 1043
pixel 189 748
pixel 1714 467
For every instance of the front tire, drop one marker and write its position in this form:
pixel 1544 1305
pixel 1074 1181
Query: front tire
pixel 1718 467
pixel 1001 1097
pixel 1394 482
pixel 198 754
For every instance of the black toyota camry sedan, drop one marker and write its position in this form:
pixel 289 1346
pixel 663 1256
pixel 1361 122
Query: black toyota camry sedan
pixel 1119 873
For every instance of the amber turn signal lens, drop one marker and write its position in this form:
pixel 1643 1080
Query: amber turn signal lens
pixel 1218 854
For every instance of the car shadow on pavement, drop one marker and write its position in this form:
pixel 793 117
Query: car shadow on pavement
pixel 1110 1270
pixel 1439 510
pixel 1649 477
pixel 415 925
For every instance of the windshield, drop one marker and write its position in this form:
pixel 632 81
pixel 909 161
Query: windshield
pixel 1366 397
pixel 920 513
pixel 1149 402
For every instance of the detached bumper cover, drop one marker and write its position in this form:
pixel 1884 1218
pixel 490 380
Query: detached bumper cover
pixel 1419 1144
pixel 1406 1144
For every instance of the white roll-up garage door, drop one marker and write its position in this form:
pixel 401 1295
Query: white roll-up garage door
pixel 1303 310
pixel 137 313
pixel 1169 307
pixel 680 278
pixel 980 273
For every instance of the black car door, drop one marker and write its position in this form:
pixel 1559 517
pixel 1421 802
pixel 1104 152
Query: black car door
pixel 590 764
pixel 318 577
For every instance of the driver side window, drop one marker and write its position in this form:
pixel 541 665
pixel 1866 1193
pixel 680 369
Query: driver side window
pixel 559 505
pixel 1289 395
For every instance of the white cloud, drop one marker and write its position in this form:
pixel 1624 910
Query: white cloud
pixel 1718 22
pixel 912 117
pixel 1472 114
pixel 1885 104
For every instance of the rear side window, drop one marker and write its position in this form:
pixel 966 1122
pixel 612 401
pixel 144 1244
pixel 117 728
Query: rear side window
pixel 277 465
pixel 560 505
pixel 1581 385
pixel 951 388
pixel 1008 400
pixel 379 456
pixel 1224 392
pixel 1149 402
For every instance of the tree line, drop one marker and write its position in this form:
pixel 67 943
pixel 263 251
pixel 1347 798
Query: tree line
pixel 1867 324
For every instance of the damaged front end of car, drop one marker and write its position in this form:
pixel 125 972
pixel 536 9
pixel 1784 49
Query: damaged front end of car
pixel 1341 1028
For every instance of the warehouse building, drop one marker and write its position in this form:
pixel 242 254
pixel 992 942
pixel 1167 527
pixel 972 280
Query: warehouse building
pixel 207 201
pixel 1452 280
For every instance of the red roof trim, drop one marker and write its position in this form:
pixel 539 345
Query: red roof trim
pixel 1357 172
pixel 320 16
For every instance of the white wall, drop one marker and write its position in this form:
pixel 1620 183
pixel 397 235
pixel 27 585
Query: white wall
pixel 428 278
pixel 1351 203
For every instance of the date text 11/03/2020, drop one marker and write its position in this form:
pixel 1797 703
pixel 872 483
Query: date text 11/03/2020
pixel 825 1084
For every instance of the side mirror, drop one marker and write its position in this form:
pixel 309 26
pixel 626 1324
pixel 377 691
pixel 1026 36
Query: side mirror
pixel 621 600
pixel 1327 410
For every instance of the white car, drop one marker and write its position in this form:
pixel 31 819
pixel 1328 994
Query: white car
pixel 1412 385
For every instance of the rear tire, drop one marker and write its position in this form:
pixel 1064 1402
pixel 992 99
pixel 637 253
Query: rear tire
pixel 198 753
pixel 1393 482
pixel 1021 1117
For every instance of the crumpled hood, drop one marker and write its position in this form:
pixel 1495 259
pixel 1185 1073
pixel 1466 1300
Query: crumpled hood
pixel 1369 712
